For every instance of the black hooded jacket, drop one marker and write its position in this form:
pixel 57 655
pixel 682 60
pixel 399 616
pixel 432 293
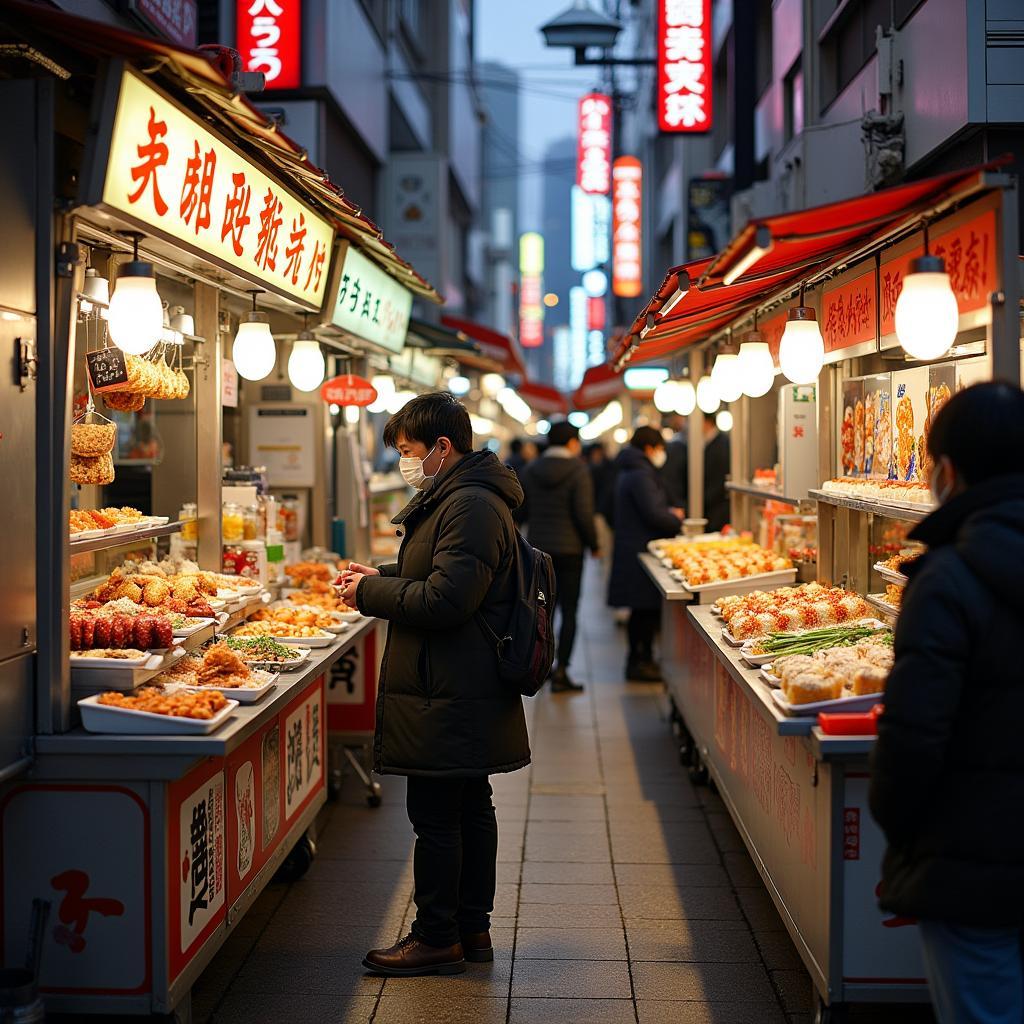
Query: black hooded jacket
pixel 559 509
pixel 947 781
pixel 441 709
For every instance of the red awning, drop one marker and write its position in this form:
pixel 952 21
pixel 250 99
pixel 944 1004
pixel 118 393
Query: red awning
pixel 494 346
pixel 542 398
pixel 202 79
pixel 776 253
pixel 599 386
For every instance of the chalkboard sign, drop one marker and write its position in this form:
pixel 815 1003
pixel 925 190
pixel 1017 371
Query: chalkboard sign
pixel 107 369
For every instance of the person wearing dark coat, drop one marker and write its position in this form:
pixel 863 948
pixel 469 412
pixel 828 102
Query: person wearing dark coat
pixel 947 771
pixel 444 719
pixel 717 455
pixel 559 517
pixel 642 514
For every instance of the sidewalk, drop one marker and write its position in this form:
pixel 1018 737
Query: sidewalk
pixel 625 894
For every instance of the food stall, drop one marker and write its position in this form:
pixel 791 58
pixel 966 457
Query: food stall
pixel 165 747
pixel 829 473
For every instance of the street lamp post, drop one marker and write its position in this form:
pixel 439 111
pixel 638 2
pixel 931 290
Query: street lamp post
pixel 581 28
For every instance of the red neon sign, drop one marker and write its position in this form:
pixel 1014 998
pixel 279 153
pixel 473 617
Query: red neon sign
pixel 684 65
pixel 270 40
pixel 531 312
pixel 627 210
pixel 594 144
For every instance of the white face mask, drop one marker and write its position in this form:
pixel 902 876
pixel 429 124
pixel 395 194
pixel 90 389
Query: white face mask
pixel 659 458
pixel 411 469
pixel 940 499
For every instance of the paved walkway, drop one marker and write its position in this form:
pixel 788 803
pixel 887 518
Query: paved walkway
pixel 625 895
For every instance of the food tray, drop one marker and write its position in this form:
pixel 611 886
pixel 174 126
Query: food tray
pixel 880 603
pixel 118 675
pixel 149 521
pixel 890 575
pixel 189 630
pixel 770 678
pixel 98 717
pixel 756 660
pixel 730 639
pixel 351 616
pixel 861 703
pixel 307 641
pixel 285 666
pixel 243 694
pixel 780 578
pixel 157 660
pixel 129 527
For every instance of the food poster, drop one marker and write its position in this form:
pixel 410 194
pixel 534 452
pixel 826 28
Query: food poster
pixel 878 426
pixel 941 388
pixel 851 434
pixel 972 371
pixel 909 422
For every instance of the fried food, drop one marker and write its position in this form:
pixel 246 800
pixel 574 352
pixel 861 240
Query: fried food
pixel 181 704
pixel 91 440
pixel 85 470
pixel 223 667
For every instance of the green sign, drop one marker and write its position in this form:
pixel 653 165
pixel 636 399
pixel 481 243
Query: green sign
pixel 371 304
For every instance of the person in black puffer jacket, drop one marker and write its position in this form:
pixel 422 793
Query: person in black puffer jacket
pixel 947 783
pixel 444 718
pixel 642 514
pixel 559 516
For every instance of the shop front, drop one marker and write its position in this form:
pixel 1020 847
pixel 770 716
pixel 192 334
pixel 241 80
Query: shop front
pixel 829 473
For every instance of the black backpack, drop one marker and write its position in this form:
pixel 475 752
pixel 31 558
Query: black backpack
pixel 527 651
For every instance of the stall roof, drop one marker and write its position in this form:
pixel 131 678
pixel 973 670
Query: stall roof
pixel 543 398
pixel 439 340
pixel 200 78
pixel 599 386
pixel 773 254
pixel 495 348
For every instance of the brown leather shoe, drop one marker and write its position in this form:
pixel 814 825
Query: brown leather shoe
pixel 477 947
pixel 409 958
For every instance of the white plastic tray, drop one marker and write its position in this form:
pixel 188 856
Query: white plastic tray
pixel 756 660
pixel 189 630
pixel 862 703
pixel 306 641
pixel 77 661
pixel 890 575
pixel 98 717
pixel 285 666
pixel 780 577
pixel 247 694
pixel 770 678
pixel 880 602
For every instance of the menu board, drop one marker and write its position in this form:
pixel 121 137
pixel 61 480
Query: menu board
pixel 909 422
pixel 108 369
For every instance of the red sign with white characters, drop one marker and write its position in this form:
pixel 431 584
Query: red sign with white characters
pixel 348 390
pixel 684 65
pixel 303 736
pixel 531 312
pixel 594 144
pixel 848 313
pixel 596 313
pixel 270 40
pixel 627 207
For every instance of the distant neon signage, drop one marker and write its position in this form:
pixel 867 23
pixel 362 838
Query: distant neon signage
pixel 531 304
pixel 270 40
pixel 627 210
pixel 594 144
pixel 684 65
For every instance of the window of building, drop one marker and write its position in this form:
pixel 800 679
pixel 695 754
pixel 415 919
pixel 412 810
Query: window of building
pixel 377 15
pixel 793 100
pixel 412 21
pixel 721 130
pixel 764 46
pixel 847 41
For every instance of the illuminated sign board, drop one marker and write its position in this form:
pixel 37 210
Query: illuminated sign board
pixel 594 144
pixel 627 208
pixel 531 305
pixel 370 303
pixel 684 65
pixel 270 40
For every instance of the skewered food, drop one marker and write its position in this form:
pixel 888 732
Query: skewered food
pixel 90 628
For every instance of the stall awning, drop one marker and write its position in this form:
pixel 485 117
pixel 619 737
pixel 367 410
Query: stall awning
pixel 439 341
pixel 542 398
pixel 599 386
pixel 774 253
pixel 200 79
pixel 498 349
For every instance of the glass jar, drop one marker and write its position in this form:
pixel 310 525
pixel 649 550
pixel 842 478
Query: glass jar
pixel 289 517
pixel 251 525
pixel 232 523
pixel 189 518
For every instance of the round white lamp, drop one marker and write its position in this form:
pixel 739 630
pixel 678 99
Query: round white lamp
pixel 686 398
pixel 707 396
pixel 927 315
pixel 666 396
pixel 724 421
pixel 757 370
pixel 802 350
pixel 726 376
pixel 306 365
pixel 135 319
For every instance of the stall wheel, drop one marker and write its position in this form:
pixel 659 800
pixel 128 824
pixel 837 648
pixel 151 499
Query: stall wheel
pixel 834 1014
pixel 298 861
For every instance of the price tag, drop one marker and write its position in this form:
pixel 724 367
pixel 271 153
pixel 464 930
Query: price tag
pixel 108 369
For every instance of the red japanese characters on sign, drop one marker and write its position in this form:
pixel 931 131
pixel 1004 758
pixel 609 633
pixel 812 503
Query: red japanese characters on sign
pixel 627 207
pixel 594 144
pixel 848 313
pixel 684 65
pixel 970 254
pixel 348 390
pixel 270 40
pixel 597 314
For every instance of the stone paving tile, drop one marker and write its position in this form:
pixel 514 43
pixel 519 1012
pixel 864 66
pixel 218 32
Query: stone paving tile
pixel 310 1008
pixel 796 990
pixel 478 981
pixel 561 830
pixel 671 874
pixel 691 941
pixel 532 892
pixel 741 869
pixel 566 808
pixel 695 849
pixel 571 1011
pixel 568 915
pixel 571 979
pixel 266 973
pixel 778 951
pixel 567 849
pixel 742 983
pixel 759 910
pixel 654 1011
pixel 440 1008
pixel 661 902
pixel 570 944
pixel 554 872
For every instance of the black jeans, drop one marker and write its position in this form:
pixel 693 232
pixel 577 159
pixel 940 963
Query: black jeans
pixel 568 575
pixel 643 624
pixel 455 862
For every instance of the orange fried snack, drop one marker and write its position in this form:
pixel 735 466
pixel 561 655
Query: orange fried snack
pixel 202 706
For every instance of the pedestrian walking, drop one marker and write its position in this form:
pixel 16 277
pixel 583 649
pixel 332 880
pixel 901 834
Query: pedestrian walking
pixel 521 452
pixel 444 719
pixel 642 514
pixel 947 781
pixel 559 517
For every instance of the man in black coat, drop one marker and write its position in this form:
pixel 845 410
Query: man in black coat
pixel 947 781
pixel 559 513
pixel 444 719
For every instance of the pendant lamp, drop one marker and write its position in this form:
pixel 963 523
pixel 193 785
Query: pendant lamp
pixel 707 396
pixel 254 352
pixel 686 398
pixel 135 319
pixel 757 368
pixel 726 376
pixel 927 315
pixel 306 366
pixel 802 350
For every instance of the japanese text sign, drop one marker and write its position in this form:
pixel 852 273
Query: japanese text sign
pixel 531 307
pixel 594 144
pixel 304 751
pixel 348 390
pixel 169 172
pixel 371 304
pixel 200 861
pixel 176 19
pixel 848 314
pixel 684 65
pixel 627 198
pixel 270 40
pixel 969 250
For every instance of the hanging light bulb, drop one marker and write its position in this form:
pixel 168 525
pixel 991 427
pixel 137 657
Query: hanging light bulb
pixel 802 350
pixel 686 398
pixel 707 396
pixel 724 421
pixel 927 316
pixel 135 319
pixel 756 368
pixel 254 352
pixel 306 366
pixel 666 396
pixel 726 376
